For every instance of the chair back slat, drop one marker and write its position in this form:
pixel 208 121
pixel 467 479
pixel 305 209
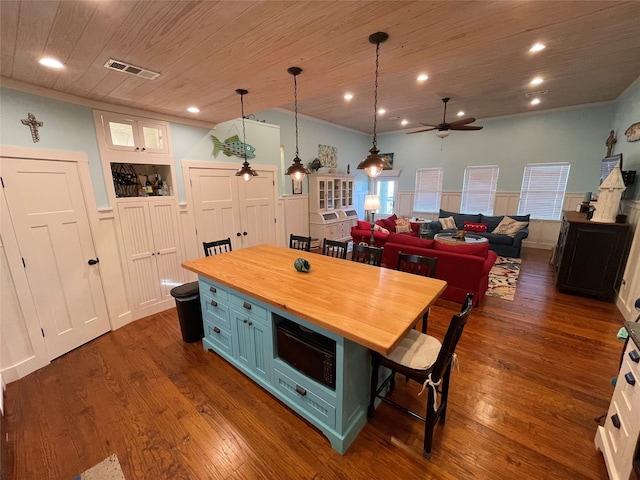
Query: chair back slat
pixel 335 248
pixel 366 254
pixel 217 247
pixel 417 264
pixel 451 338
pixel 298 242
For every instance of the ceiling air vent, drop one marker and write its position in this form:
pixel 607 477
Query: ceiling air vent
pixel 536 94
pixel 130 69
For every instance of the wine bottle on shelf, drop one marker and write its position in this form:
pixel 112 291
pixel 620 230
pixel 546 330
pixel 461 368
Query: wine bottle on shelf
pixel 148 188
pixel 159 186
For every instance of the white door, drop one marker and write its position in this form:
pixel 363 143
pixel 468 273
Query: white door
pixel 166 240
pixel 257 210
pixel 135 222
pixel 216 205
pixel 48 212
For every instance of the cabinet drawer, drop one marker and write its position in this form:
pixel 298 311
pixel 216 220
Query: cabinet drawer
pixel 215 311
pixel 628 388
pixel 300 395
pixel 617 428
pixel 219 337
pixel 213 291
pixel 249 307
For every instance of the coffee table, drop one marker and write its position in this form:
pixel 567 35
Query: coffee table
pixel 451 239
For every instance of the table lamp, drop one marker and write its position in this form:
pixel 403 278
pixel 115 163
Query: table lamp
pixel 371 204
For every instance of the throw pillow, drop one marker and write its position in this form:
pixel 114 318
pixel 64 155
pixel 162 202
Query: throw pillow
pixel 415 227
pixel 478 250
pixel 403 225
pixel 447 223
pixel 509 226
pixel 475 227
pixel 364 225
pixel 378 228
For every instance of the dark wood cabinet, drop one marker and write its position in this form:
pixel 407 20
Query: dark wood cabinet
pixel 590 256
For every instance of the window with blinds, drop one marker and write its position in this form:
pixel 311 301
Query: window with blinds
pixel 543 189
pixel 428 189
pixel 479 189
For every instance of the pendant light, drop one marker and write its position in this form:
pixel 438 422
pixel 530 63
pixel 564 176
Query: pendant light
pixel 246 172
pixel 374 163
pixel 297 171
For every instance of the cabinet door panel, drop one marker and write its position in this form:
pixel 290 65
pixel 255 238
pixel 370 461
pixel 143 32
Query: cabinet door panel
pixel 166 243
pixel 215 199
pixel 121 133
pixel 257 210
pixel 140 253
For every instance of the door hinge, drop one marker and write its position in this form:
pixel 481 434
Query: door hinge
pixel 190 183
pixel 42 330
pixel 275 220
pixel 2 181
pixel 196 232
pixel 23 264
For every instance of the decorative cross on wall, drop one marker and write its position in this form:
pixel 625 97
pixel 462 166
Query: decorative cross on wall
pixel 33 124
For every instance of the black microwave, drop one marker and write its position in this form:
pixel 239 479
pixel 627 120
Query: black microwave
pixel 309 352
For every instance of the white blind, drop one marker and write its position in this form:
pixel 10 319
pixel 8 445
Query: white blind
pixel 428 189
pixel 543 189
pixel 479 189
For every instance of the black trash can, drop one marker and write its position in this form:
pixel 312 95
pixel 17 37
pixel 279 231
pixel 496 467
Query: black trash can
pixel 189 313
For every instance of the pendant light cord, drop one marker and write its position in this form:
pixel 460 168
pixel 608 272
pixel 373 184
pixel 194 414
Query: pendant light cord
pixel 295 98
pixel 244 133
pixel 375 99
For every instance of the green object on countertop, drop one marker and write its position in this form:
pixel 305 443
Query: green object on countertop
pixel 622 334
pixel 302 265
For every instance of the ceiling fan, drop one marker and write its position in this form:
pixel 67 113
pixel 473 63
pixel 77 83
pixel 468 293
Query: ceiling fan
pixel 444 127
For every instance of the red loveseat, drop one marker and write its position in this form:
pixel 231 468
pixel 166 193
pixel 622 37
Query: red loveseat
pixel 465 268
pixel 362 232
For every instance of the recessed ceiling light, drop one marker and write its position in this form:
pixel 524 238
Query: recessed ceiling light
pixel 423 77
pixel 381 111
pixel 460 113
pixel 193 110
pixel 404 122
pixel 537 47
pixel 51 62
pixel 348 96
pixel 536 81
pixel 535 101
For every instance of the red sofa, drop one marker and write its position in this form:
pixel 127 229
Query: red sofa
pixel 465 268
pixel 362 231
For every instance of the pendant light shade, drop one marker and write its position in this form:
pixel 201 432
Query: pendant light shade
pixel 297 171
pixel 374 163
pixel 246 172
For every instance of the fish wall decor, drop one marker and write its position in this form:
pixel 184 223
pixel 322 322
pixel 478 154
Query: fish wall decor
pixel 633 132
pixel 233 146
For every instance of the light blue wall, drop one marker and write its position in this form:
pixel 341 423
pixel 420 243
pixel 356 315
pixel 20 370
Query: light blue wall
pixel 66 127
pixel 575 135
pixel 627 113
pixel 352 146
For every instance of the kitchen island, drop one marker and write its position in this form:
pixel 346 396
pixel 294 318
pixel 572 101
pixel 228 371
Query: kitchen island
pixel 246 295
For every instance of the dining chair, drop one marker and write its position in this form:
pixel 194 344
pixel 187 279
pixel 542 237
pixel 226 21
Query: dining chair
pixel 335 248
pixel 219 246
pixel 424 359
pixel 298 242
pixel 366 254
pixel 418 265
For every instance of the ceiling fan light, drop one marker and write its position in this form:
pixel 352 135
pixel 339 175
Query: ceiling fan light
pixel 442 133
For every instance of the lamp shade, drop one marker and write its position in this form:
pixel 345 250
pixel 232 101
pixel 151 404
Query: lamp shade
pixel 371 202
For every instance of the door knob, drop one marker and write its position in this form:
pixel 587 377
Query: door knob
pixel 238 234
pixel 93 262
pixel 244 233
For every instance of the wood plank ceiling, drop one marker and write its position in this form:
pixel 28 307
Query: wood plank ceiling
pixel 475 52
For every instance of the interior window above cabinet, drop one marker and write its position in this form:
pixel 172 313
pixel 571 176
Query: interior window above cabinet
pixel 138 135
pixel 141 180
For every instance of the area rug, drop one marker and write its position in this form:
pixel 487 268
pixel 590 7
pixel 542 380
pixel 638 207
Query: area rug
pixel 503 278
pixel 108 469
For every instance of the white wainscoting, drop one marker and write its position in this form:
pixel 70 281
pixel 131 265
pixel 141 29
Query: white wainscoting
pixel 296 216
pixel 543 234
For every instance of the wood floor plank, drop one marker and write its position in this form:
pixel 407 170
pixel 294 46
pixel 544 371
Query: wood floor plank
pixel 534 374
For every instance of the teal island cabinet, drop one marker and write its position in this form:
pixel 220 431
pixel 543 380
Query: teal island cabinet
pixel 305 337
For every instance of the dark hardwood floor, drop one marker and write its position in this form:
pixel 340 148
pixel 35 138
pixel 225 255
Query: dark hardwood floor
pixel 534 373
